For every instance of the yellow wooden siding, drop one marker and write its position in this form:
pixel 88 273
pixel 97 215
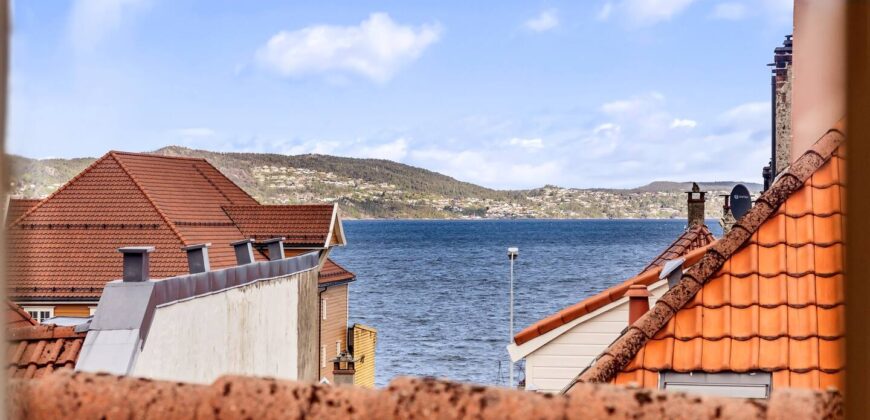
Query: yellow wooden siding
pixel 333 329
pixel 72 310
pixel 365 340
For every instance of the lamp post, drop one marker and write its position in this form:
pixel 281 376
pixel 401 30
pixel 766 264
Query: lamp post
pixel 513 253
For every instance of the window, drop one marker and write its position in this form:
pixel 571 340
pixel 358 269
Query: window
pixel 322 356
pixel 338 348
pixel 723 384
pixel 40 313
pixel 323 308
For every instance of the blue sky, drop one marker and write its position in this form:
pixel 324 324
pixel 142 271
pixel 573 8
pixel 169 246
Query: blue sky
pixel 504 94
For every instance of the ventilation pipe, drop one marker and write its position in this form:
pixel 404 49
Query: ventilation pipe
pixel 197 258
pixel 136 262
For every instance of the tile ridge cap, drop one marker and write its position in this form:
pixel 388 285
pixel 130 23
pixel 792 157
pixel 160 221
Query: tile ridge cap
pixel 148 197
pixel 63 187
pixel 780 191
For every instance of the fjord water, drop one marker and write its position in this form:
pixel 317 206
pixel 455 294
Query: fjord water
pixel 437 291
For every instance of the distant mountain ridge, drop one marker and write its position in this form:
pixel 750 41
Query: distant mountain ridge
pixel 376 188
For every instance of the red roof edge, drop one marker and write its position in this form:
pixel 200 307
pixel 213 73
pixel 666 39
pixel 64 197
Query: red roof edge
pixel 613 359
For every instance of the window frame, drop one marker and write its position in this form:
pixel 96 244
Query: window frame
pixel 37 309
pixel 753 385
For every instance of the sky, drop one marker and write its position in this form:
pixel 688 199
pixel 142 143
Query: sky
pixel 593 93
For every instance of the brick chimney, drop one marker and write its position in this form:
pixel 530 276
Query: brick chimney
pixel 695 202
pixel 136 262
pixel 343 369
pixel 638 302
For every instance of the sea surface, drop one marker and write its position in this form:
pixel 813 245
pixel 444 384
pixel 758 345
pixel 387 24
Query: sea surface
pixel 437 291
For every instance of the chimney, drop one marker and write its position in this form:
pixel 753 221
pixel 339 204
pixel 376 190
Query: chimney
pixel 136 262
pixel 695 202
pixel 780 103
pixel 244 251
pixel 275 247
pixel 343 369
pixel 638 302
pixel 727 221
pixel 197 258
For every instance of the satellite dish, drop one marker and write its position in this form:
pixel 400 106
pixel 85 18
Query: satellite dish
pixel 741 201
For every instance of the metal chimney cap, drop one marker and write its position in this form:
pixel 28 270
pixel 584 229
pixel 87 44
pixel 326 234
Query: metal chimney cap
pixel 196 246
pixel 242 242
pixel 273 240
pixel 136 249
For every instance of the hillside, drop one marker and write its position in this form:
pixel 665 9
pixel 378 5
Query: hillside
pixel 372 188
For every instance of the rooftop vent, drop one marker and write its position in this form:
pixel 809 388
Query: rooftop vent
pixel 244 251
pixel 673 271
pixel 276 248
pixel 197 258
pixel 136 262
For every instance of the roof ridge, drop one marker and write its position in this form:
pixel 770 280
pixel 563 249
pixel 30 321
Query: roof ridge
pixel 148 197
pixel 20 311
pixel 156 155
pixel 207 162
pixel 62 188
pixel 623 350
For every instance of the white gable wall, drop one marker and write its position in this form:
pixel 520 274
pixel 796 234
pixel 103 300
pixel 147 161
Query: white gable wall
pixel 564 354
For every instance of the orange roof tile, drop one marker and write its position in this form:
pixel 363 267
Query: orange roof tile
pixel 17 317
pixel 334 273
pixel 693 238
pixel 17 207
pixel 65 247
pixel 768 297
pixel 691 244
pixel 300 225
pixel 38 350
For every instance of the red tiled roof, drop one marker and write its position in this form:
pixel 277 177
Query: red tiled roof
pixel 691 244
pixel 692 238
pixel 300 225
pixel 38 350
pixel 65 247
pixel 17 317
pixel 332 273
pixel 87 395
pixel 17 207
pixel 768 297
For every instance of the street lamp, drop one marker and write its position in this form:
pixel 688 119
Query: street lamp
pixel 513 253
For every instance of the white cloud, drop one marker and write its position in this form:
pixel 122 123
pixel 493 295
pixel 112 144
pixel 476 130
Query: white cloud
pixel 395 150
pixel 547 20
pixel 376 48
pixel 644 12
pixel 729 11
pixel 529 144
pixel 605 11
pixel 683 123
pixel 194 132
pixel 92 21
pixel 751 115
pixel 633 105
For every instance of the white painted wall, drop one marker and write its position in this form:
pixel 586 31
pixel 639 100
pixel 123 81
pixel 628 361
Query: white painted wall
pixel 248 330
pixel 565 353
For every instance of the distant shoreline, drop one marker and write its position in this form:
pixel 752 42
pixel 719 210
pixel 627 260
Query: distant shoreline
pixel 398 219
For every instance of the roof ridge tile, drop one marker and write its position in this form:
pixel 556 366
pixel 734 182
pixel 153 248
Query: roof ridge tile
pixel 626 347
pixel 148 197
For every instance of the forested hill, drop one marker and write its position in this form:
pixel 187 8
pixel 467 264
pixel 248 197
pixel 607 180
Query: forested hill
pixel 374 188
